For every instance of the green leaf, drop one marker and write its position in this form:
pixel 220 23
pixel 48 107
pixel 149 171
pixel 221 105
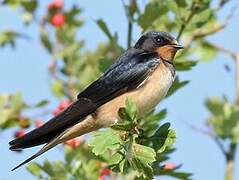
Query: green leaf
pixel 34 169
pixel 181 3
pixel 102 25
pixel 206 51
pixel 129 112
pixel 150 122
pixel 57 88
pixel 8 38
pixel 176 85
pixel 4 115
pixel 224 118
pixel 104 64
pixel 30 6
pixel 153 11
pixel 143 156
pixel 46 41
pixel 214 105
pixel 124 126
pixel 144 153
pixel 48 168
pixel 17 103
pixel 133 8
pixel 104 140
pixel 131 108
pixel 41 103
pixel 163 138
pixel 72 17
pixel 184 65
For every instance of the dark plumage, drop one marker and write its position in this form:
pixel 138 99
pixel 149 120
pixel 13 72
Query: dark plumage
pixel 130 70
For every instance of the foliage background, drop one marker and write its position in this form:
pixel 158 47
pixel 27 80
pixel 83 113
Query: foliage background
pixel 197 152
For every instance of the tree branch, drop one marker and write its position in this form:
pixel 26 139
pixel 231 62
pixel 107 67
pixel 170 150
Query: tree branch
pixel 188 19
pixel 130 23
pixel 227 51
pixel 203 33
pixel 211 135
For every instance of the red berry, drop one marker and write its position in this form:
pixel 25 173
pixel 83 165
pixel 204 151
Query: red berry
pixel 50 6
pixel 38 123
pixel 56 4
pixel 73 143
pixel 105 171
pixel 169 166
pixel 19 133
pixel 64 104
pixel 102 178
pixel 58 20
pixel 56 111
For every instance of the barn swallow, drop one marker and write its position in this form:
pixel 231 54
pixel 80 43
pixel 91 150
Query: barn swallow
pixel 143 73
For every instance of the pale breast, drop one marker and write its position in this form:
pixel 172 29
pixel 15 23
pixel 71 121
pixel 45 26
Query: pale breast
pixel 146 97
pixel 155 89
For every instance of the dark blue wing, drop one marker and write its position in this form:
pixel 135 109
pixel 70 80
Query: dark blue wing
pixel 128 72
pixel 131 69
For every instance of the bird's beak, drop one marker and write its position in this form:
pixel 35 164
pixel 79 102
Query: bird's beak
pixel 178 46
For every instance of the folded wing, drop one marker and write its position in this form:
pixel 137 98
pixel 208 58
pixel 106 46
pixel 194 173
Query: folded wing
pixel 127 73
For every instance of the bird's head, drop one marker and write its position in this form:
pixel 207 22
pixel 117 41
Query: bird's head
pixel 160 42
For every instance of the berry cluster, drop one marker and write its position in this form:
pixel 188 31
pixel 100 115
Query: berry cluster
pixel 57 17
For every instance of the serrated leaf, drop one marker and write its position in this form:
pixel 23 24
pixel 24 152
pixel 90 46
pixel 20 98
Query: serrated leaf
pixel 144 153
pixel 143 156
pixel 102 141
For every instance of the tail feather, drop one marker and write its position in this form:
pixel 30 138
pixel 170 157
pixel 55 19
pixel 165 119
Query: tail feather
pixel 45 148
pixel 69 117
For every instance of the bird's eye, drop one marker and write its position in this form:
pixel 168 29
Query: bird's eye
pixel 158 39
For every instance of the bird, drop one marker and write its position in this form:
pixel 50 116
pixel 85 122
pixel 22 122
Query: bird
pixel 144 73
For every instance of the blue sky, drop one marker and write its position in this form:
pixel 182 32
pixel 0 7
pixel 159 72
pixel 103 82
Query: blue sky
pixel 198 153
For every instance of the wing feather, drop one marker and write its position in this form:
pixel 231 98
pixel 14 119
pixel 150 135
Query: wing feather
pixel 127 73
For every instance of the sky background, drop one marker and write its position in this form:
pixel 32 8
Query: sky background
pixel 25 70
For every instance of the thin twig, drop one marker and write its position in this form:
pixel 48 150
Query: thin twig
pixel 227 51
pixel 130 23
pixel 211 135
pixel 188 19
pixel 200 34
pixel 129 38
pixel 203 33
